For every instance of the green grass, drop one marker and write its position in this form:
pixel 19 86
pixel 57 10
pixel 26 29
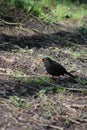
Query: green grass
pixel 72 11
pixel 67 122
pixel 45 83
pixel 75 54
pixel 62 11
pixel 16 101
pixel 81 81
pixel 74 66
pixel 53 11
pixel 47 115
pixel 19 102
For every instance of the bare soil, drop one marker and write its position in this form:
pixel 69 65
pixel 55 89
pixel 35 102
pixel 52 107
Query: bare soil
pixel 23 103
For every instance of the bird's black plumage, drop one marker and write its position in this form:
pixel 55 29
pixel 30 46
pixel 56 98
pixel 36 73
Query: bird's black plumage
pixel 54 68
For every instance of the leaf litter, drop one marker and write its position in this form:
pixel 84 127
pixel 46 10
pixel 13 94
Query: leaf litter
pixel 29 97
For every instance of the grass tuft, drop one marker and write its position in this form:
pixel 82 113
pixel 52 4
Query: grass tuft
pixel 53 11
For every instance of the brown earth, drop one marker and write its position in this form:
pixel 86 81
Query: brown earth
pixel 29 98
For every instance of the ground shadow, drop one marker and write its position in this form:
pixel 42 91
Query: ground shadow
pixel 61 38
pixel 20 88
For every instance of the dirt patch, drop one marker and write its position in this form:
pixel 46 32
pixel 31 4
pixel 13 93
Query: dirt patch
pixel 29 97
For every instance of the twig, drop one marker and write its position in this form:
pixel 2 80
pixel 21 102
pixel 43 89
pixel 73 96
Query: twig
pixel 78 105
pixel 47 125
pixel 2 69
pixel 82 120
pixel 81 45
pixel 84 64
pixel 24 29
pixel 72 120
pixel 35 30
pixel 70 89
pixel 56 127
pixel 9 23
pixel 5 43
pixel 68 107
pixel 77 90
pixel 39 20
pixel 32 29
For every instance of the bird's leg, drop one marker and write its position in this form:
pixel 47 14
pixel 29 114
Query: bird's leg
pixel 52 77
pixel 55 78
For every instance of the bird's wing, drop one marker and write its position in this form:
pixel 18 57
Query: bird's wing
pixel 58 67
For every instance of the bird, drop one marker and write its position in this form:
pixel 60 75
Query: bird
pixel 54 68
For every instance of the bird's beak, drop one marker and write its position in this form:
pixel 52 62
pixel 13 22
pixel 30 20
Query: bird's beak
pixel 40 60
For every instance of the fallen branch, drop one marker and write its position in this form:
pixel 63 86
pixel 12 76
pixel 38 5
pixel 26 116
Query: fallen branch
pixel 47 125
pixel 5 43
pixel 29 30
pixel 35 30
pixel 56 127
pixel 9 23
pixel 68 107
pixel 71 120
pixel 24 29
pixel 2 69
pixel 78 105
pixel 77 90
pixel 74 121
pixel 82 120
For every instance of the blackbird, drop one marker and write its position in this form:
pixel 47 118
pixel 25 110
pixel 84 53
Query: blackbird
pixel 54 68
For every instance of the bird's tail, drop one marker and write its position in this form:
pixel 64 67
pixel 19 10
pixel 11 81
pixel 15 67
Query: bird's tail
pixel 71 75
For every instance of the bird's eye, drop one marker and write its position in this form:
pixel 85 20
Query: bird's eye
pixel 42 60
